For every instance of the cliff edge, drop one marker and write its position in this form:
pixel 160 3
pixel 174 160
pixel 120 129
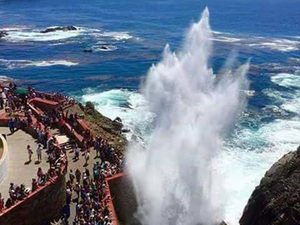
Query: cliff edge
pixel 108 129
pixel 276 201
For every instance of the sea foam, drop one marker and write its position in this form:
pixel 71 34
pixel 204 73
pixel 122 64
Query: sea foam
pixel 175 179
pixel 17 64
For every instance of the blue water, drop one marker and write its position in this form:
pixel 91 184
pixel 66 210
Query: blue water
pixel 135 33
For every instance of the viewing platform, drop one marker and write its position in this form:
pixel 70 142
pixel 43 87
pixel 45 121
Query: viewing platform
pixel 66 132
pixel 19 169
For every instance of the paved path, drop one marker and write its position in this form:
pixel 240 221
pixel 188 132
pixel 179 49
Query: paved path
pixel 19 170
pixel 22 172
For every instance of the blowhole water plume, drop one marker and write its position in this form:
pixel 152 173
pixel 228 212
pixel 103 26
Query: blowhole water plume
pixel 174 177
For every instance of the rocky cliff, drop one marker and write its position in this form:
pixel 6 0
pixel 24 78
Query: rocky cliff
pixel 102 126
pixel 276 201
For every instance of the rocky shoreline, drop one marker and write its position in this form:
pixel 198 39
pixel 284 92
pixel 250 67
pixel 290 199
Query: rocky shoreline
pixel 276 200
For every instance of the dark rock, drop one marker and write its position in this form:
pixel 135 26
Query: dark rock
pixel 117 125
pixel 118 119
pixel 90 105
pixel 125 130
pixel 87 50
pixel 223 223
pixel 107 128
pixel 276 200
pixel 104 47
pixel 53 29
pixel 3 34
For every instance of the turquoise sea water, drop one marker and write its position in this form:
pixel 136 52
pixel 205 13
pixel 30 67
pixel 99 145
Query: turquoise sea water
pixel 134 34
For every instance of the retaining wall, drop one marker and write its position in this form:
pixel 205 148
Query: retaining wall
pixel 40 207
pixel 122 204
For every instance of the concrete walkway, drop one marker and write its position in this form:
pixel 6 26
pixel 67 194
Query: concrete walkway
pixel 20 171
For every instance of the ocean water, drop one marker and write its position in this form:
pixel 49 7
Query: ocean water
pixel 134 34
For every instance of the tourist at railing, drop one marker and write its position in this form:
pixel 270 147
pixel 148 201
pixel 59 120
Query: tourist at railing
pixel 34 185
pixel 16 193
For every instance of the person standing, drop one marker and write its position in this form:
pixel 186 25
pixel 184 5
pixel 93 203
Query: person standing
pixel 39 152
pixel 30 152
pixel 87 157
pixel 11 125
pixel 77 152
pixel 71 176
pixel 97 147
pixel 78 175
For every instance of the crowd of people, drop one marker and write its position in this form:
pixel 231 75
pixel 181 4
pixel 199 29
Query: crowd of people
pixel 22 118
pixel 89 190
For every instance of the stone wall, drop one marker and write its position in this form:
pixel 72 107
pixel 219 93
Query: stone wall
pixel 40 207
pixel 3 158
pixel 123 199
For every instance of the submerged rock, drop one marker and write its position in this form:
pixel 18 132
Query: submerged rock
pixel 87 50
pixel 104 47
pixel 3 34
pixel 53 29
pixel 277 199
pixel 125 130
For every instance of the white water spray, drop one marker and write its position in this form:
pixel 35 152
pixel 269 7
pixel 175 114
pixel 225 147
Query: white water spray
pixel 174 177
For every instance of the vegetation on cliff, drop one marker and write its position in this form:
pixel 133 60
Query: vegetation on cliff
pixel 100 125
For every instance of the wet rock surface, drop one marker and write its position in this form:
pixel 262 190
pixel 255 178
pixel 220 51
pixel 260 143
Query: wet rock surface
pixel 3 34
pixel 276 200
pixel 53 29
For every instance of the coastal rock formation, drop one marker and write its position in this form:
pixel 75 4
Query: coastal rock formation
pixel 276 200
pixel 3 34
pixel 101 125
pixel 104 47
pixel 101 48
pixel 53 29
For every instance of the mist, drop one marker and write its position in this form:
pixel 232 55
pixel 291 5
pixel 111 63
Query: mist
pixel 174 176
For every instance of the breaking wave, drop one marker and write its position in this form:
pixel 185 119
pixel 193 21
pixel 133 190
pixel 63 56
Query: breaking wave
pixel 26 34
pixel 246 156
pixel 103 47
pixel 18 64
pixel 130 106
pixel 276 44
pixel 118 36
pixel 290 98
pixel 35 35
